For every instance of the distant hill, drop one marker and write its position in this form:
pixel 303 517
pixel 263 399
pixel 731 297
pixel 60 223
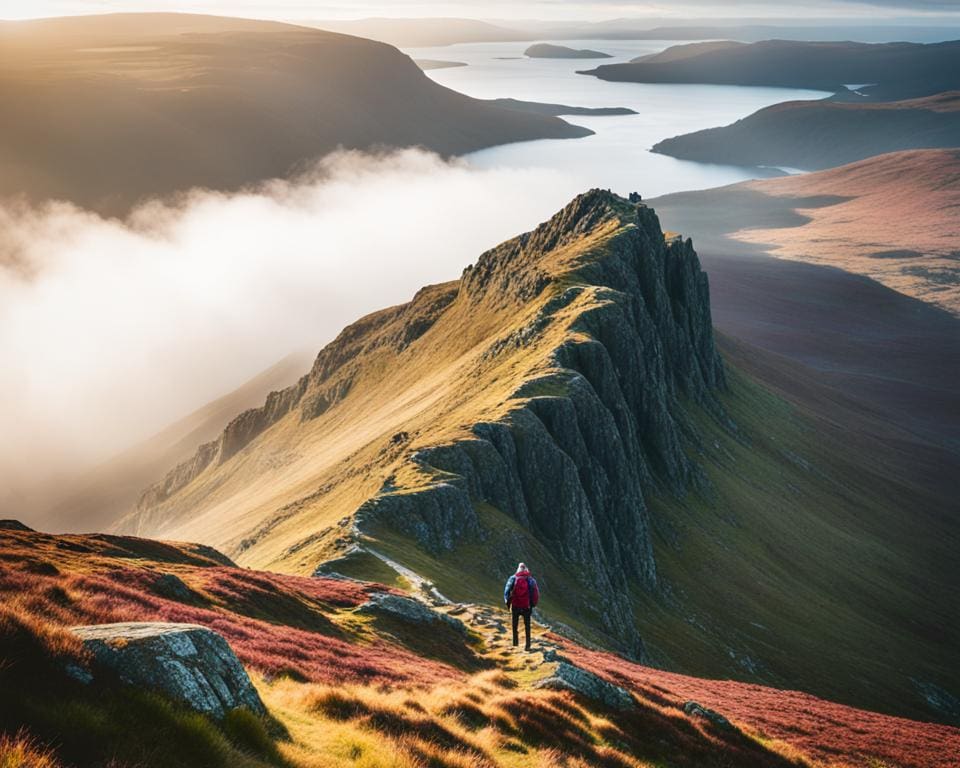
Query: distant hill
pixel 566 400
pixel 887 71
pixel 548 51
pixel 428 64
pixel 428 32
pixel 107 110
pixel 822 134
pixel 891 218
pixel 562 109
pixel 627 29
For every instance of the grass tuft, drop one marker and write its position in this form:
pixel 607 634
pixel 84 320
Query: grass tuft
pixel 22 751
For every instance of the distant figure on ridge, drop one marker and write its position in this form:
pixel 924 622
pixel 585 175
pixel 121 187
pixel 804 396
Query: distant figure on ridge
pixel 521 594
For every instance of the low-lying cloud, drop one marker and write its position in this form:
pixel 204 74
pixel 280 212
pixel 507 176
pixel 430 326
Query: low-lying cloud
pixel 110 330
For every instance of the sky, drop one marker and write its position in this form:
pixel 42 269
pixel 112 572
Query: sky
pixel 493 9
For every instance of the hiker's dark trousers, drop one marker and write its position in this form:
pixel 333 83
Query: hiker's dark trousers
pixel 517 613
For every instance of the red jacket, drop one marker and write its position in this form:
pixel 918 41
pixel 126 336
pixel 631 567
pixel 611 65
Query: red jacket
pixel 521 591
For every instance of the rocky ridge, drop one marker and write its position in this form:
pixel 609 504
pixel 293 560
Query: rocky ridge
pixel 614 331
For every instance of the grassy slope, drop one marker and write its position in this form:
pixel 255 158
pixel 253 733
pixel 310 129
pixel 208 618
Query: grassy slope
pixel 395 708
pixel 891 218
pixel 814 527
pixel 812 540
pixel 98 497
pixel 302 476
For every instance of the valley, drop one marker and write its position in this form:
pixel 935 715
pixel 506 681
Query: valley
pixel 310 339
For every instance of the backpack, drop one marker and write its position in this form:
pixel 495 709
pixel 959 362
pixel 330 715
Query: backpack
pixel 520 597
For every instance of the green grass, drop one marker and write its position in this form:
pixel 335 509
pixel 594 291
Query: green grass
pixel 796 562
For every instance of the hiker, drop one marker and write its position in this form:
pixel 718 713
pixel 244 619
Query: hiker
pixel 521 594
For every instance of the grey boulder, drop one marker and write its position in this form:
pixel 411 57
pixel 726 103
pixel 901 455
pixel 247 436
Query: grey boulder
pixel 187 662
pixel 409 610
pixel 572 678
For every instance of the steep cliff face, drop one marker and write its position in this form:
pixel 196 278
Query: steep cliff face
pixel 547 385
pixel 585 441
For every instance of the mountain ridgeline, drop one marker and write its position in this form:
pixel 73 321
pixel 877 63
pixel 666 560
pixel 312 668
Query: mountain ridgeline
pixel 564 403
pixel 548 381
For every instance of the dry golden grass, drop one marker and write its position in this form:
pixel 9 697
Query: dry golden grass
pixel 21 751
pixel 378 717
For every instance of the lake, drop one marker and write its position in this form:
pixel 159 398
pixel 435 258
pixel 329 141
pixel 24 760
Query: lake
pixel 618 156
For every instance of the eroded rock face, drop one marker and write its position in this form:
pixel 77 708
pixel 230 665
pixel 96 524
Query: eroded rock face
pixel 569 677
pixel 187 662
pixel 585 444
pixel 604 325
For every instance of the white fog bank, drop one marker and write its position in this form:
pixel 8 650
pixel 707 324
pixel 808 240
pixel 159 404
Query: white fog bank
pixel 110 330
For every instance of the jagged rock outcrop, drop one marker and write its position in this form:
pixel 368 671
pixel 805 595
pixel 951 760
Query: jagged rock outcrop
pixel 568 677
pixel 189 663
pixel 586 441
pixel 601 329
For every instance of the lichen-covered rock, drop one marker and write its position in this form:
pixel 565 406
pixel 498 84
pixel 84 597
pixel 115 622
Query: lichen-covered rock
pixel 409 610
pixel 569 677
pixel 694 709
pixel 187 662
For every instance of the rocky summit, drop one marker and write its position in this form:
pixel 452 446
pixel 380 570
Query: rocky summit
pixel 537 395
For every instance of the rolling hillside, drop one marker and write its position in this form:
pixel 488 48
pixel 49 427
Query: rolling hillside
pixel 812 135
pixel 564 403
pixel 105 110
pixel 347 686
pixel 891 218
